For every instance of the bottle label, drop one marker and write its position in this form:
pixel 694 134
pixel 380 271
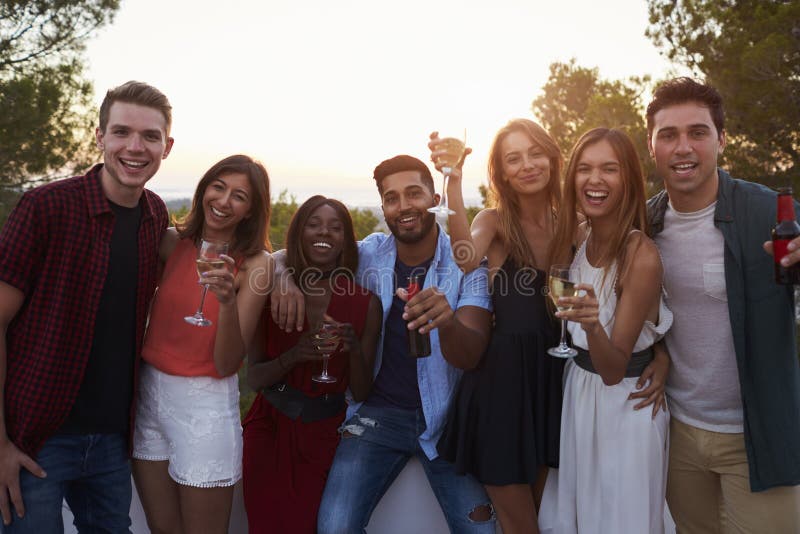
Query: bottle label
pixel 785 208
pixel 779 247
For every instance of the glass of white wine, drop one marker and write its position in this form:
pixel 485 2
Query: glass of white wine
pixel 561 282
pixel 326 339
pixel 453 150
pixel 208 259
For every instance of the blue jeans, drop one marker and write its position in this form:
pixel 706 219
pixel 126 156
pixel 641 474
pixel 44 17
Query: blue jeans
pixel 365 466
pixel 92 472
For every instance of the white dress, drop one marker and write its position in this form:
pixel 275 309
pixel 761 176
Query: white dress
pixel 613 460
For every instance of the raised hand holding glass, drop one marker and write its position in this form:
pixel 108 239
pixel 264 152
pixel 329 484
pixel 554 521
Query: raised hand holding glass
pixel 452 149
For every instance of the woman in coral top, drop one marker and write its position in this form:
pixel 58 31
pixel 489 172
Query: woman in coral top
pixel 290 433
pixel 187 445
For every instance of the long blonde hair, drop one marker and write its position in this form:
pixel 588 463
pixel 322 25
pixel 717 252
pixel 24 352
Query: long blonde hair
pixel 506 200
pixel 631 210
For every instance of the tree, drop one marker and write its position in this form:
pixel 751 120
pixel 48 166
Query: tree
pixel 45 102
pixel 575 99
pixel 364 222
pixel 749 50
pixel 282 210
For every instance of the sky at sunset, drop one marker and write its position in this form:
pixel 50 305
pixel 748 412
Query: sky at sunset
pixel 322 91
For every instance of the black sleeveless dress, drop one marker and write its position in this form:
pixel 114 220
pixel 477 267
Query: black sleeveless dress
pixel 505 420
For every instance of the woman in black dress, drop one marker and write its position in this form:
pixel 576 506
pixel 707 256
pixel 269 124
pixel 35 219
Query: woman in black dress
pixel 504 425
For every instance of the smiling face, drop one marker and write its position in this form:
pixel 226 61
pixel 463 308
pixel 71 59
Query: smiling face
pixel 227 200
pixel 405 201
pixel 685 145
pixel 323 238
pixel 599 184
pixel 525 166
pixel 134 143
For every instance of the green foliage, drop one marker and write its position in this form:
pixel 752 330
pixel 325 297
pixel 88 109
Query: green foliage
pixel 575 99
pixel 364 222
pixel 282 210
pixel 45 118
pixel 750 51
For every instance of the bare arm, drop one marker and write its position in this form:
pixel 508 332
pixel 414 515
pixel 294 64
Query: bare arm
pixel 287 301
pixel 464 339
pixel 239 311
pixel 641 289
pixel 168 241
pixel 11 458
pixel 263 372
pixel 362 352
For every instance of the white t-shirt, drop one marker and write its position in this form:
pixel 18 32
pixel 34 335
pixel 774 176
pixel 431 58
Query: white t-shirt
pixel 703 384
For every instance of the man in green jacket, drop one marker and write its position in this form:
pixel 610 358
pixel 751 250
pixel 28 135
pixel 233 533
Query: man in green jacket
pixel 734 381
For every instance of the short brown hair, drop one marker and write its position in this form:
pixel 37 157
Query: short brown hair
pixel 682 90
pixel 139 93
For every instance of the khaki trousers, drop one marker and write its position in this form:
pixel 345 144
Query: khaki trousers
pixel 708 487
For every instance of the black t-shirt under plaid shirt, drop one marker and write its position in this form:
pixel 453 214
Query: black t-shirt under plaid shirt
pixel 55 249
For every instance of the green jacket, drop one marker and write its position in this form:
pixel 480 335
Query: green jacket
pixel 764 329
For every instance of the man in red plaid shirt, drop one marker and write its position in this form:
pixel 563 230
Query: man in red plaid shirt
pixel 78 267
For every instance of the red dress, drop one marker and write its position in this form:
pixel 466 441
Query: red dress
pixel 286 461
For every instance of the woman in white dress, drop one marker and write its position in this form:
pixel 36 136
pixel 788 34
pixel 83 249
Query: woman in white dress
pixel 612 474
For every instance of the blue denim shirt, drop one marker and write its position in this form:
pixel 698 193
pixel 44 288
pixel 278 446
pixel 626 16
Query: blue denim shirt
pixel 436 378
pixel 764 329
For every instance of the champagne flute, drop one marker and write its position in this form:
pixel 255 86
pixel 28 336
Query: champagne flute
pixel 561 283
pixel 208 258
pixel 326 339
pixel 453 148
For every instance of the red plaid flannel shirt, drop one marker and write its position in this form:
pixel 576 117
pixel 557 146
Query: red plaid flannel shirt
pixel 55 249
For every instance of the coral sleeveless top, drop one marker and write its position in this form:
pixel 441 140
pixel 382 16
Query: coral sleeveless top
pixel 172 345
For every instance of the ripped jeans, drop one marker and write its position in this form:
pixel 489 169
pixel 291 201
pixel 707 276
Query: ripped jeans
pixel 376 444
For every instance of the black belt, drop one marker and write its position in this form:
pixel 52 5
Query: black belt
pixel 295 404
pixel 638 362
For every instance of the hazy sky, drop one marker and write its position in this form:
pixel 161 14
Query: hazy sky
pixel 322 91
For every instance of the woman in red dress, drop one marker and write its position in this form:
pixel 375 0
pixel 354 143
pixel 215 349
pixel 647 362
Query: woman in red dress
pixel 291 431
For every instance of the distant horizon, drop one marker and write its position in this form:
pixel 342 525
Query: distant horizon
pixel 353 198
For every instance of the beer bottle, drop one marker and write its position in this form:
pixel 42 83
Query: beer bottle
pixel 419 345
pixel 784 231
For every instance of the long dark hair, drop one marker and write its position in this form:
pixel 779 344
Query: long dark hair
pixel 252 234
pixel 346 263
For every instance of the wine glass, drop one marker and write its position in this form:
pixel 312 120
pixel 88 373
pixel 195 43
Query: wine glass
pixel 326 339
pixel 208 258
pixel 561 283
pixel 453 148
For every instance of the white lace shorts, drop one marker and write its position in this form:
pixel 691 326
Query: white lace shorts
pixel 194 423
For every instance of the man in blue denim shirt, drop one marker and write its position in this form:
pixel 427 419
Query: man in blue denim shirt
pixel 405 413
pixel 734 383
